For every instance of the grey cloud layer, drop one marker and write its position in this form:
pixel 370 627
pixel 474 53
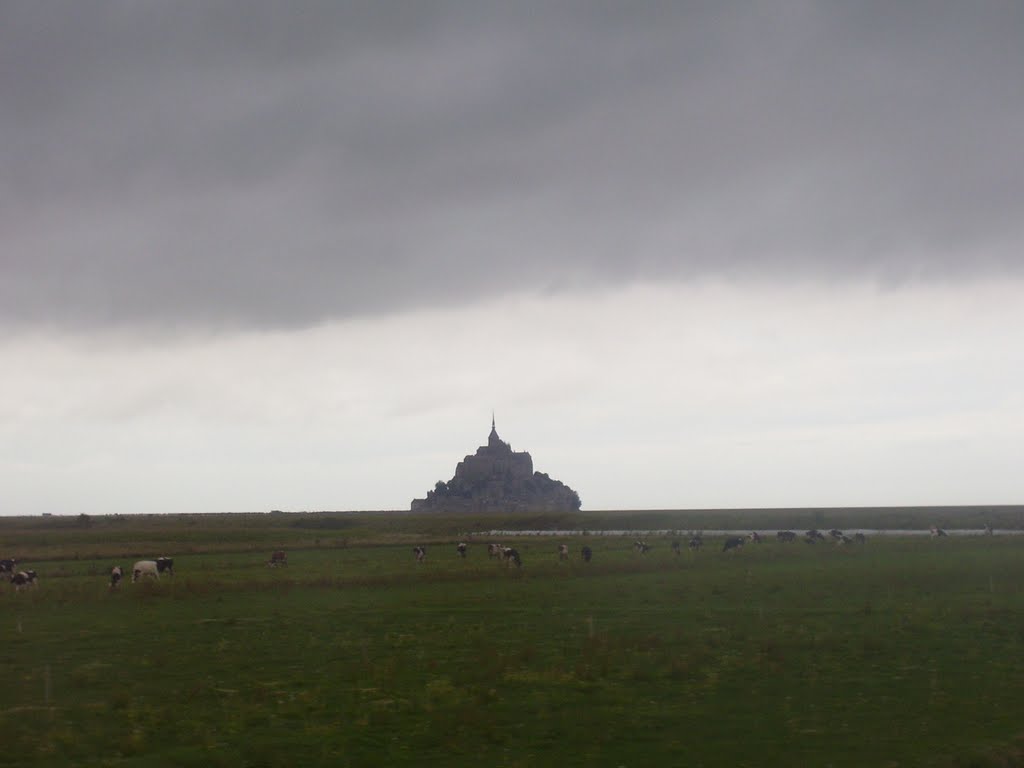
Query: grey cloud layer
pixel 275 165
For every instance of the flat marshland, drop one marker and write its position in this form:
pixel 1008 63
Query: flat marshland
pixel 902 651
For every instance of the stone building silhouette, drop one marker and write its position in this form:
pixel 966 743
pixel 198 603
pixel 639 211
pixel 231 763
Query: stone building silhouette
pixel 498 479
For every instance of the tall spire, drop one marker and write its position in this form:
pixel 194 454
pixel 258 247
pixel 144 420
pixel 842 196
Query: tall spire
pixel 493 439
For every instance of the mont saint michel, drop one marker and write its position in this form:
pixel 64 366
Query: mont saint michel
pixel 498 479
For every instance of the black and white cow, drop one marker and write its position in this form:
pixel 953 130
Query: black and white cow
pixel 145 568
pixel 461 548
pixel 786 536
pixel 733 542
pixel 116 574
pixel 512 556
pixel 860 538
pixel 278 557
pixel 165 565
pixel 587 553
pixel 7 565
pixel 420 553
pixel 755 537
pixel 494 550
pixel 23 579
pixel 836 534
pixel 642 547
pixel 938 531
pixel 695 543
pixel 563 551
pixel 677 546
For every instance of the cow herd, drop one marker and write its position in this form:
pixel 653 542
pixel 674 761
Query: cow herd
pixel 812 536
pixel 733 543
pixel 507 555
pixel 22 579
pixel 140 570
pixel 29 578
pixel 694 542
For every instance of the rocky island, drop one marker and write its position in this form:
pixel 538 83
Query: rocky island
pixel 498 479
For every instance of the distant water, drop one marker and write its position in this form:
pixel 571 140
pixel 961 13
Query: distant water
pixel 769 532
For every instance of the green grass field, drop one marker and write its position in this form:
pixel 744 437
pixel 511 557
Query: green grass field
pixel 900 652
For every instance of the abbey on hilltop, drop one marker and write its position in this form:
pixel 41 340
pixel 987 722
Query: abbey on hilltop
pixel 498 479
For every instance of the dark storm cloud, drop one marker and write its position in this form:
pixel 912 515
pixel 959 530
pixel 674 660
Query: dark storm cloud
pixel 277 164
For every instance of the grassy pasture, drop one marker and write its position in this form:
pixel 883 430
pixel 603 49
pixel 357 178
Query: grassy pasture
pixel 901 652
pixel 82 536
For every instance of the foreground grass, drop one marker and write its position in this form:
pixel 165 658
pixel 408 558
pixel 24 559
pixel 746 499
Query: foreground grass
pixel 898 653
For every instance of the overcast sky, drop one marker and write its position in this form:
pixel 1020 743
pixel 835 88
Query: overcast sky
pixel 263 255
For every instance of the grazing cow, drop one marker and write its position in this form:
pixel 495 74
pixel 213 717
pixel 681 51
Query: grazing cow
pixel 696 543
pixel 420 553
pixel 7 565
pixel 165 564
pixel 642 547
pixel 563 551
pixel 937 531
pixel 145 568
pixel 116 574
pixel 587 554
pixel 755 537
pixel 786 536
pixel 278 557
pixel 512 556
pixel 835 533
pixel 24 579
pixel 844 539
pixel 860 538
pixel 461 548
pixel 813 535
pixel 677 546
pixel 494 550
pixel 733 542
